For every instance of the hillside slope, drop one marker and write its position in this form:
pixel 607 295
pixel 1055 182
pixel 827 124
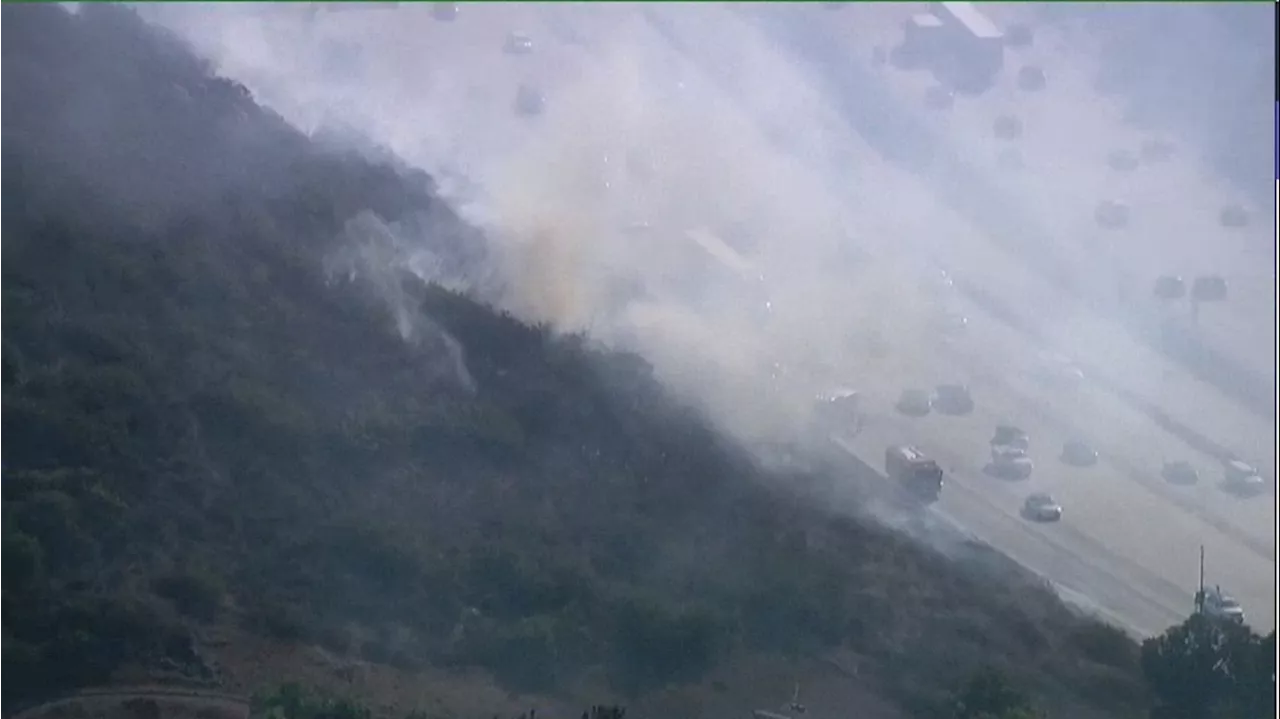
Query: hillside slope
pixel 208 425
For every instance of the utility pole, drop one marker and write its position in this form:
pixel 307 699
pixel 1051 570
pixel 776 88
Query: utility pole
pixel 1200 587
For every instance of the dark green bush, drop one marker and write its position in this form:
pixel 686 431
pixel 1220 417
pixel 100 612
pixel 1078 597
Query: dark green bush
pixel 197 595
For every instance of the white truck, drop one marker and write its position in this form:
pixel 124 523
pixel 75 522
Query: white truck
pixel 1220 605
pixel 962 47
pixel 918 476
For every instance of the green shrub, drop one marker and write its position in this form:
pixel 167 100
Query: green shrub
pixel 197 595
pixel 656 644
pixel 23 560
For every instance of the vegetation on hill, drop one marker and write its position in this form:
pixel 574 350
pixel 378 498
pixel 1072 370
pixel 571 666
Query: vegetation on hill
pixel 204 427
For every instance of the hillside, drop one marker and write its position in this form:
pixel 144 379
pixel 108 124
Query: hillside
pixel 215 440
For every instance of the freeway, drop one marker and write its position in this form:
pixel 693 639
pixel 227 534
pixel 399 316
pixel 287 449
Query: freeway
pixel 616 84
pixel 1119 403
pixel 1142 606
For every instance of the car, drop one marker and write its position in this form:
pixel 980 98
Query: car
pixel 1209 288
pixel 1170 288
pixel 944 280
pixel 1122 161
pixel 1018 35
pixel 517 44
pixel 839 410
pixel 1032 78
pixel 444 11
pixel 1222 606
pixel 1233 216
pixel 1241 478
pixel 1078 454
pixel 1010 462
pixel 953 399
pixel 952 323
pixel 1042 507
pixel 1111 215
pixel 529 101
pixel 1010 158
pixel 939 97
pixel 1007 435
pixel 1054 370
pixel 937 282
pixel 914 403
pixel 1179 472
pixel 1007 127
pixel 1156 150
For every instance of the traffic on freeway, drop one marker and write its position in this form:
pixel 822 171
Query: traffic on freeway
pixel 890 251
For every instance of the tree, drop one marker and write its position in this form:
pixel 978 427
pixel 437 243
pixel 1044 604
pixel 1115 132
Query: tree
pixel 1206 668
pixel 989 695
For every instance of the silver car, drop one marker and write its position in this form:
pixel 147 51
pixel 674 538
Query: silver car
pixel 1242 479
pixel 914 403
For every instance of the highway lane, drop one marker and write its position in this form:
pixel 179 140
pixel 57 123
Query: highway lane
pixel 1100 409
pixel 1138 607
pixel 1122 502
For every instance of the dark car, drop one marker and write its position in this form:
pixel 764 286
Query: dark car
pixel 939 97
pixel 1179 472
pixel 1018 34
pixel 529 101
pixel 1032 78
pixel 444 11
pixel 1041 507
pixel 914 403
pixel 1078 454
pixel 953 399
pixel 1122 161
pixel 1007 127
pixel 1112 215
pixel 1233 216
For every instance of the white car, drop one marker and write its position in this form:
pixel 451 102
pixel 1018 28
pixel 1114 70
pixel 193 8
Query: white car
pixel 952 323
pixel 1220 605
pixel 1054 370
pixel 518 44
pixel 937 282
pixel 1011 462
pixel 1042 507
pixel 1242 478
